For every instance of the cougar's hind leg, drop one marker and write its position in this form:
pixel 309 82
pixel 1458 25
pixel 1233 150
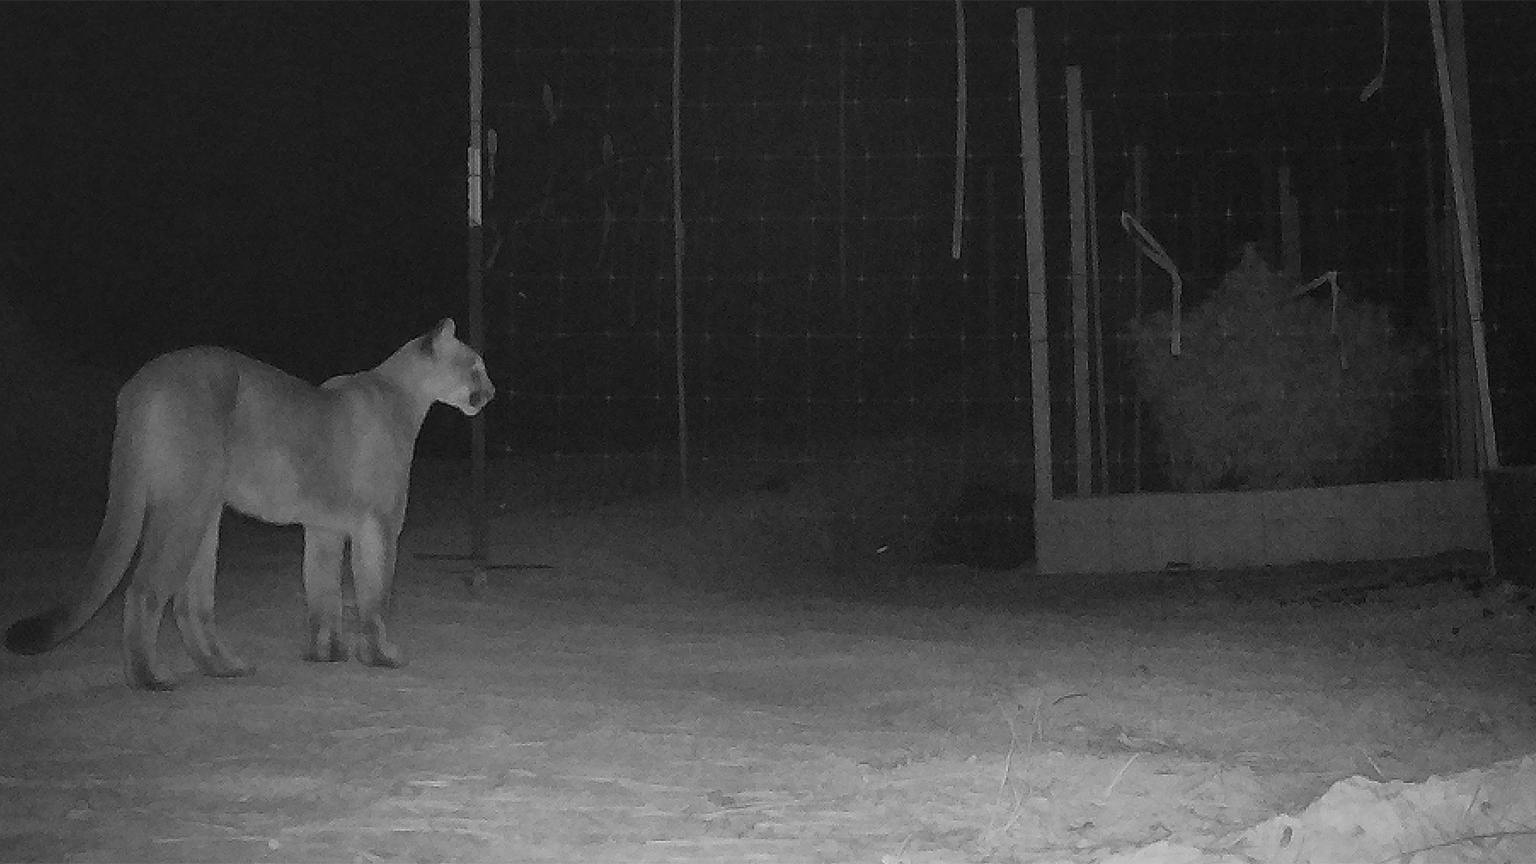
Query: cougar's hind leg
pixel 373 572
pixel 173 533
pixel 194 608
pixel 322 595
pixel 143 609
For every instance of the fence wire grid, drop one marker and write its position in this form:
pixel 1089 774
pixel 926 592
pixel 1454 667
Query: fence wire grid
pixel 822 309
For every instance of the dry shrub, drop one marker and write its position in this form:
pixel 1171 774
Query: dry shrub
pixel 1266 394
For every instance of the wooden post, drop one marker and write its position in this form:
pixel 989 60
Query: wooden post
pixel 1439 295
pixel 474 273
pixel 1096 310
pixel 1467 424
pixel 1451 64
pixel 1139 276
pixel 1078 209
pixel 1034 249
pixel 842 173
pixel 1400 205
pixel 960 100
pixel 1197 232
pixel 677 240
pixel 992 324
pixel 1270 245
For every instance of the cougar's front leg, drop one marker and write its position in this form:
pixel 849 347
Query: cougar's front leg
pixel 322 595
pixel 373 573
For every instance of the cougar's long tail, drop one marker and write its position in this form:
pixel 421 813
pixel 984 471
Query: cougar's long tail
pixel 121 527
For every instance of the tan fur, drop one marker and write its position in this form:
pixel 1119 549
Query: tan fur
pixel 203 428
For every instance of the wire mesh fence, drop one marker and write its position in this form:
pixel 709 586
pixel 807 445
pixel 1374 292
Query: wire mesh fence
pixel 825 320
pixel 819 299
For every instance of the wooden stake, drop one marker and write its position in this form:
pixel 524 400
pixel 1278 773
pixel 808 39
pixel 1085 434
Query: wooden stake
pixel 677 242
pixel 1096 308
pixel 1034 249
pixel 960 100
pixel 1451 64
pixel 992 324
pixel 842 172
pixel 1139 275
pixel 1078 210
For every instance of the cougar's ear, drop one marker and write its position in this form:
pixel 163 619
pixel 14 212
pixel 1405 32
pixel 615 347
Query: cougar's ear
pixel 442 335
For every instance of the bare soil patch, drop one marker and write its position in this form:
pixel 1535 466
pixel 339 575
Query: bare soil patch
pixel 661 680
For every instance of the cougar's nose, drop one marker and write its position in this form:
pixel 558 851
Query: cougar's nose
pixel 482 395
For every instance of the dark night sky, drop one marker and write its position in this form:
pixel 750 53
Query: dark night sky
pixel 232 172
pixel 252 174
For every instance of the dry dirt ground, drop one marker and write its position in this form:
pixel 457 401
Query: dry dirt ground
pixel 652 678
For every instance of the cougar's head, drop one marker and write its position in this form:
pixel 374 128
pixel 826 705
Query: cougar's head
pixel 459 378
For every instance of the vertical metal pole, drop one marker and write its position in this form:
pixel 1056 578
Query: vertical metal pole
pixel 475 274
pixel 677 238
